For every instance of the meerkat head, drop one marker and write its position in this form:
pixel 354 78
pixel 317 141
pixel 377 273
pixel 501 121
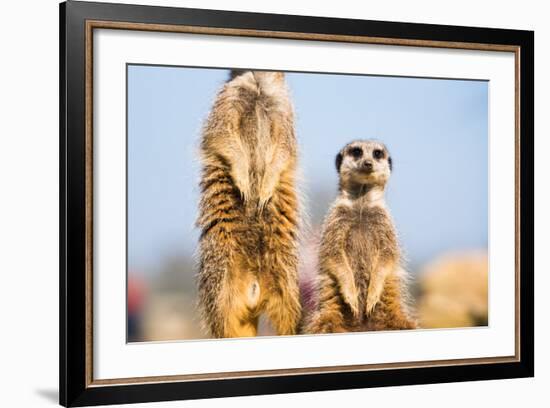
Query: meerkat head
pixel 363 164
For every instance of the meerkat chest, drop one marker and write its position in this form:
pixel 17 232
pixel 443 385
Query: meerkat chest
pixel 372 236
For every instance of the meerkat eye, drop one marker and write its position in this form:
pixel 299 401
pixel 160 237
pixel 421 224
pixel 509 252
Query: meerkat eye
pixel 356 152
pixel 378 154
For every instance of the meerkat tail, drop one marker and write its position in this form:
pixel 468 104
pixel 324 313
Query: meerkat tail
pixel 217 215
pixel 211 280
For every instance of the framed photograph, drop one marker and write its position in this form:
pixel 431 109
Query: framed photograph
pixel 256 204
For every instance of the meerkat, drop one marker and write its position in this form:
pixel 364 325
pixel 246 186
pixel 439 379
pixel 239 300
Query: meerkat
pixel 248 211
pixel 361 280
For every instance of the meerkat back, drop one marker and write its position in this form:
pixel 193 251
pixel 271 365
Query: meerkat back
pixel 248 208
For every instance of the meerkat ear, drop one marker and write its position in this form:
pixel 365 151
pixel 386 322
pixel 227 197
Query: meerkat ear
pixel 339 158
pixel 390 163
pixel 234 73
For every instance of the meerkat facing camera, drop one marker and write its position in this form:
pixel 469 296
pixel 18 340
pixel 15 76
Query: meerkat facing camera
pixel 361 281
pixel 248 212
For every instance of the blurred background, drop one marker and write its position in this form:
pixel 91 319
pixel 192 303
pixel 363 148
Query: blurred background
pixel 435 129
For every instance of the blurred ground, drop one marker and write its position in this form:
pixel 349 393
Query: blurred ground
pixel 450 291
pixel 453 291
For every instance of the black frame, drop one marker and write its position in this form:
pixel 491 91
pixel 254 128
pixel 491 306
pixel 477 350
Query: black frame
pixel 72 311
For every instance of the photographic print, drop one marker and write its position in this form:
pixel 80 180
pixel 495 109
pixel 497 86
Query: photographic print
pixel 266 203
pixel 257 204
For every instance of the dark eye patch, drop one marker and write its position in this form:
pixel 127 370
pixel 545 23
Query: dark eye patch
pixel 338 161
pixel 378 154
pixel 356 152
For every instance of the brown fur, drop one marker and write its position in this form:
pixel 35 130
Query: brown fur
pixel 249 209
pixel 361 282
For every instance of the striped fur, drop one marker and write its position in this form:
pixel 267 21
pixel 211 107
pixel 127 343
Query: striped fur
pixel 248 211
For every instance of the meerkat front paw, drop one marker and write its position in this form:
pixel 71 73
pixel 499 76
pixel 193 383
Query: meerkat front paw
pixel 240 173
pixel 267 189
pixel 371 303
pixel 376 287
pixel 243 185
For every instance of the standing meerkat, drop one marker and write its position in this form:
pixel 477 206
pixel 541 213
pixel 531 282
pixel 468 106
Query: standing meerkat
pixel 361 281
pixel 248 215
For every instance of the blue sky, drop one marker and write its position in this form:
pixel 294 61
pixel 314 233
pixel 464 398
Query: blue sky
pixel 436 131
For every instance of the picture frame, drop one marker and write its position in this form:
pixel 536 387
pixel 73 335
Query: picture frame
pixel 79 21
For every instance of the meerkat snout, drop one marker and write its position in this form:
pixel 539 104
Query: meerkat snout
pixel 367 166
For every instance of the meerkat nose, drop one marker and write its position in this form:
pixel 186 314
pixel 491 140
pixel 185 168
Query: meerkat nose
pixel 367 165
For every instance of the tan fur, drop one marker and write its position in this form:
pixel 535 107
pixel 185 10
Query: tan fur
pixel 361 282
pixel 249 209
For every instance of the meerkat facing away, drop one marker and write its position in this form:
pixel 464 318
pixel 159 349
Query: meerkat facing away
pixel 361 281
pixel 248 211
